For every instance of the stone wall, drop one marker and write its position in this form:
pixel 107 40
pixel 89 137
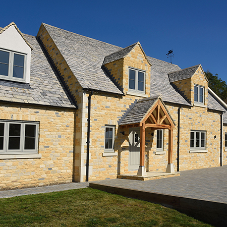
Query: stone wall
pixel 56 148
pixel 79 96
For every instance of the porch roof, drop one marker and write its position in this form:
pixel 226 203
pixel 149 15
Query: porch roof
pixel 140 109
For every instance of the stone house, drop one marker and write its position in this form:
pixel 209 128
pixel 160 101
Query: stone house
pixel 80 109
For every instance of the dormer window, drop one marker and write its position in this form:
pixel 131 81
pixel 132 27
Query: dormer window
pixel 199 93
pixel 137 80
pixel 12 65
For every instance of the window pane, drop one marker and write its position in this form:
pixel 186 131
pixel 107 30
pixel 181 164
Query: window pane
pixel 3 69
pixel 202 143
pixel 30 134
pixel 1 129
pixel 140 81
pixel 1 143
pixel 132 75
pixel 14 129
pixel 109 133
pixel 29 143
pixel 192 141
pixel 201 94
pixel 225 139
pixel 202 139
pixel 18 72
pixel 109 138
pixel 19 60
pixel 1 135
pixel 136 138
pixel 4 57
pixel 159 138
pixel 197 139
pixel 196 93
pixel 14 136
pixel 30 130
pixel 14 143
pixel 110 143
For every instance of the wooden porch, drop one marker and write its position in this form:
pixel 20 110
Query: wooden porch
pixel 150 113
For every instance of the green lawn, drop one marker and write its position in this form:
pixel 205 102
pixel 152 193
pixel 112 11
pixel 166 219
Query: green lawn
pixel 87 207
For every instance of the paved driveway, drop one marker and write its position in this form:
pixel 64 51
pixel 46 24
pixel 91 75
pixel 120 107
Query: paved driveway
pixel 205 184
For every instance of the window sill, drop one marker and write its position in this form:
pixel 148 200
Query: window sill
pixel 136 94
pixel 13 79
pixel 110 154
pixel 19 156
pixel 199 104
pixel 160 152
pixel 198 151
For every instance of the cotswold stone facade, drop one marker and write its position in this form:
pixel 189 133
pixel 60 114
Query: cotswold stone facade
pixel 55 160
pixel 146 115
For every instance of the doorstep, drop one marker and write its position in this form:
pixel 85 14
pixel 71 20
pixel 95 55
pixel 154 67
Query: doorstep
pixel 149 176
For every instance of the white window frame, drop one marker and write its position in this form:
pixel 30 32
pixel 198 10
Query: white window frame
pixel 199 87
pixel 162 140
pixel 136 90
pixel 22 150
pixel 194 147
pixel 109 150
pixel 11 64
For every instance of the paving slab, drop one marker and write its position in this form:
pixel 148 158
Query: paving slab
pixel 198 193
pixel 43 189
pixel 206 184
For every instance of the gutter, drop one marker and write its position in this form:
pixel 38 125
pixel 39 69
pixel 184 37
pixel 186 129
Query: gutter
pixel 88 133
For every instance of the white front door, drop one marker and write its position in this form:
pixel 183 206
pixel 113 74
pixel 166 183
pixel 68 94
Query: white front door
pixel 134 149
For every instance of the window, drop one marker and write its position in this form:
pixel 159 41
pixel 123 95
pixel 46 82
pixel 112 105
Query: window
pixel 137 80
pixel 198 140
pixel 225 141
pixel 198 93
pixel 18 137
pixel 12 65
pixel 160 139
pixel 109 138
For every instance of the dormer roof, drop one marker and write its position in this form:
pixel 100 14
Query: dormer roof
pixel 183 73
pixel 122 53
pixel 13 24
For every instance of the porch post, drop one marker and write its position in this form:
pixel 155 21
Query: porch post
pixel 142 170
pixel 170 168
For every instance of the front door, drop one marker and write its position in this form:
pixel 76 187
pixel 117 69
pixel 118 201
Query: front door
pixel 134 149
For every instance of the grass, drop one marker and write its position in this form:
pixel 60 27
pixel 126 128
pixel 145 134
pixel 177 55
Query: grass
pixel 87 207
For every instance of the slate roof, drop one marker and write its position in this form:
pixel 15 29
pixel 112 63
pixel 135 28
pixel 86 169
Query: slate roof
pixel 85 56
pixel 44 87
pixel 182 74
pixel 119 54
pixel 160 84
pixel 213 103
pixel 136 113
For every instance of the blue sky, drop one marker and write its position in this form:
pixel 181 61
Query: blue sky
pixel 195 30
